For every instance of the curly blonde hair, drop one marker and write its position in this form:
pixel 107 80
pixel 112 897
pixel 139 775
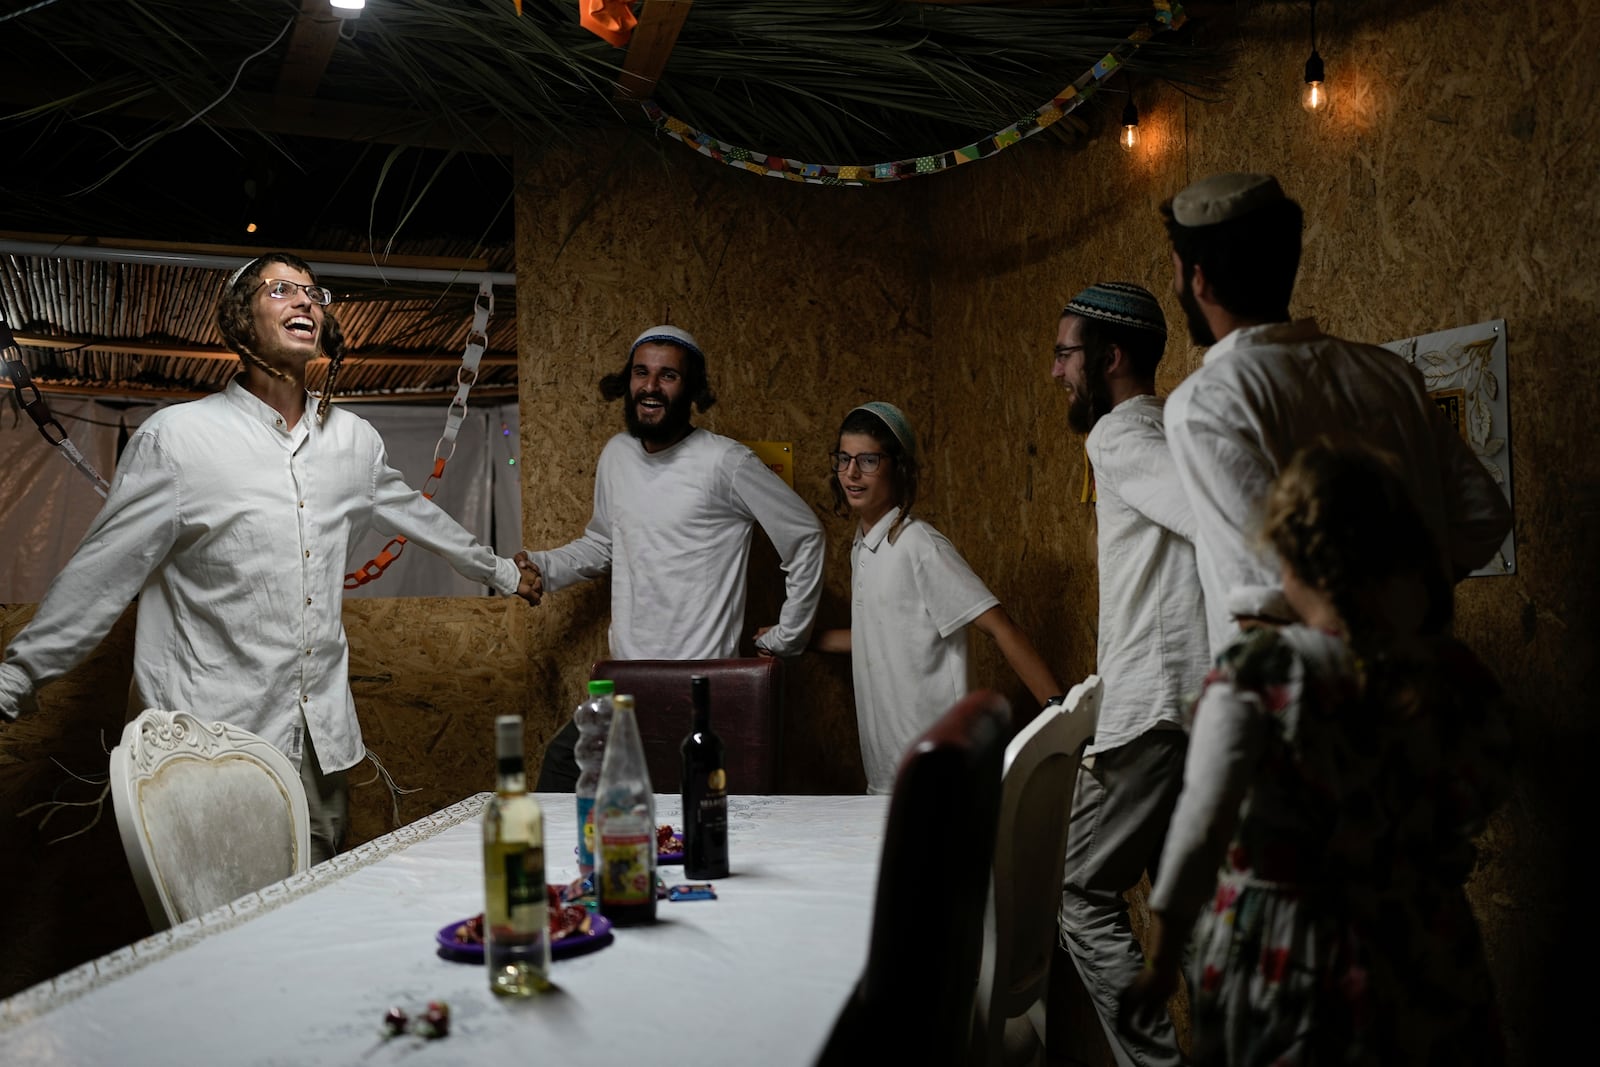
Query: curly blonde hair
pixel 1341 516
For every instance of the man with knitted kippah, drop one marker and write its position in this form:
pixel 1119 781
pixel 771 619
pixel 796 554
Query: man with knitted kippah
pixel 1151 647
pixel 1271 385
pixel 675 507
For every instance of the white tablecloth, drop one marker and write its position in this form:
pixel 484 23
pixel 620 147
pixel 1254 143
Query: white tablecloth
pixel 303 971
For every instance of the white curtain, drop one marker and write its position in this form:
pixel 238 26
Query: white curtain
pixel 46 505
pixel 480 490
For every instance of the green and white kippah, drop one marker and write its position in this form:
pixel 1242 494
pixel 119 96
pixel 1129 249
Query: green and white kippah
pixel 1119 303
pixel 897 422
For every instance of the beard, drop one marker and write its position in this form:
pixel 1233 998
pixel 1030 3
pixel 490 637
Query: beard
pixel 1199 329
pixel 1089 403
pixel 674 419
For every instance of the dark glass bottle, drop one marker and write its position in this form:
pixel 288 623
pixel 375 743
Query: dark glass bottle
pixel 705 792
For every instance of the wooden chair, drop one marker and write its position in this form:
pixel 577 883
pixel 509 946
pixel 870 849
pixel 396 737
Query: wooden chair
pixel 746 712
pixel 208 812
pixel 1041 770
pixel 913 1003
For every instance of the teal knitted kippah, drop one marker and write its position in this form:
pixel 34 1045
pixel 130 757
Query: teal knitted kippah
pixel 1120 303
pixel 897 422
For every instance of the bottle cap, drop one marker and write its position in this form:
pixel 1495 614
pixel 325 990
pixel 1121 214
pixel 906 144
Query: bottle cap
pixel 508 736
pixel 602 686
pixel 623 702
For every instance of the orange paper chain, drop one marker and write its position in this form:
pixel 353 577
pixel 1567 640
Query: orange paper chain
pixel 610 20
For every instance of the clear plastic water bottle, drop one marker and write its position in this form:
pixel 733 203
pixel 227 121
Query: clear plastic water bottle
pixel 593 719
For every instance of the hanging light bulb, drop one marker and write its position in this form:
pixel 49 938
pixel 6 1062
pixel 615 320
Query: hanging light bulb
pixel 1130 127
pixel 347 9
pixel 1315 95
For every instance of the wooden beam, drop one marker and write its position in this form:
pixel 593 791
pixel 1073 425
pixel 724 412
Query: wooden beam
pixel 311 44
pixel 650 48
pixel 130 392
pixel 211 352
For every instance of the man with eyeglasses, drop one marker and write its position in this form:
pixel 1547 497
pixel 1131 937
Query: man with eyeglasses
pixel 674 510
pixel 231 518
pixel 1150 650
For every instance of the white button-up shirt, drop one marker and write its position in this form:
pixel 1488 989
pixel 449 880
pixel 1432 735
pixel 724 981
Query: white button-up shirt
pixel 234 530
pixel 1265 392
pixel 1151 650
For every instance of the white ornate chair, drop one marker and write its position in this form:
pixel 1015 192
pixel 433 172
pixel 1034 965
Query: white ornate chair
pixel 1041 769
pixel 208 813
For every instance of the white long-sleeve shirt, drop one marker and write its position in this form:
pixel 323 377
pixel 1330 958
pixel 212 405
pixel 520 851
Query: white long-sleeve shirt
pixel 673 530
pixel 234 531
pixel 1152 649
pixel 1267 391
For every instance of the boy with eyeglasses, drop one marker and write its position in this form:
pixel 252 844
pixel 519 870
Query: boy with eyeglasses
pixel 912 598
pixel 231 518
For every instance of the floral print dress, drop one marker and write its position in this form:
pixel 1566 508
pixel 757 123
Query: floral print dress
pixel 1327 816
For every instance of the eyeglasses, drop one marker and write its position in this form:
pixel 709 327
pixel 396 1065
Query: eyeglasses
pixel 283 289
pixel 1064 352
pixel 866 462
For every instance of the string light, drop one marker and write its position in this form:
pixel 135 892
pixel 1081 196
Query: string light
pixel 1314 97
pixel 1130 127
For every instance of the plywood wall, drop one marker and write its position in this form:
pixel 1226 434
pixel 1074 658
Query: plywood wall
pixel 1453 181
pixel 807 301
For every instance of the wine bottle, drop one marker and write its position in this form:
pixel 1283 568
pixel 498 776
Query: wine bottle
pixel 625 824
pixel 705 791
pixel 516 909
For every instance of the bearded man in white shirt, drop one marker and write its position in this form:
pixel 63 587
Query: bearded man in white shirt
pixel 1270 386
pixel 675 507
pixel 231 519
pixel 1151 647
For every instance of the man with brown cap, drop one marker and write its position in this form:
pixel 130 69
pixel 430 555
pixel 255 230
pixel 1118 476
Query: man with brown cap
pixel 1270 386
pixel 1151 646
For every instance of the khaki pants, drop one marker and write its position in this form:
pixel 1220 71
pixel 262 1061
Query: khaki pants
pixel 328 798
pixel 1120 812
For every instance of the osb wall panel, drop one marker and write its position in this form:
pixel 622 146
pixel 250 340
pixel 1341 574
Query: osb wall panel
pixel 807 301
pixel 1451 182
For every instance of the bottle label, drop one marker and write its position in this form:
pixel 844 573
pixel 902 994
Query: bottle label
pixel 625 868
pixel 586 833
pixel 525 878
pixel 526 900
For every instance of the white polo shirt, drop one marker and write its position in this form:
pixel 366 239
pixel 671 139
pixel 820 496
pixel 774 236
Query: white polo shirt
pixel 910 605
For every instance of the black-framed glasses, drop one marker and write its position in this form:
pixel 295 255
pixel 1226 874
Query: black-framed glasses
pixel 866 462
pixel 1064 352
pixel 283 289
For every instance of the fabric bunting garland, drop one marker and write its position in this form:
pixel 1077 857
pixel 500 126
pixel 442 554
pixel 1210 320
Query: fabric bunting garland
pixel 1168 16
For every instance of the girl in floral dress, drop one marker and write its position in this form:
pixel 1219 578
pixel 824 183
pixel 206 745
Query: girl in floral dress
pixel 1337 773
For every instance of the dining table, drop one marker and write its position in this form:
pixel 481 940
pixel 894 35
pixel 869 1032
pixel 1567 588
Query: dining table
pixel 305 970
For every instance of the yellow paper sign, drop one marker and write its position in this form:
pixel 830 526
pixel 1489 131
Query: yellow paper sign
pixel 777 455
